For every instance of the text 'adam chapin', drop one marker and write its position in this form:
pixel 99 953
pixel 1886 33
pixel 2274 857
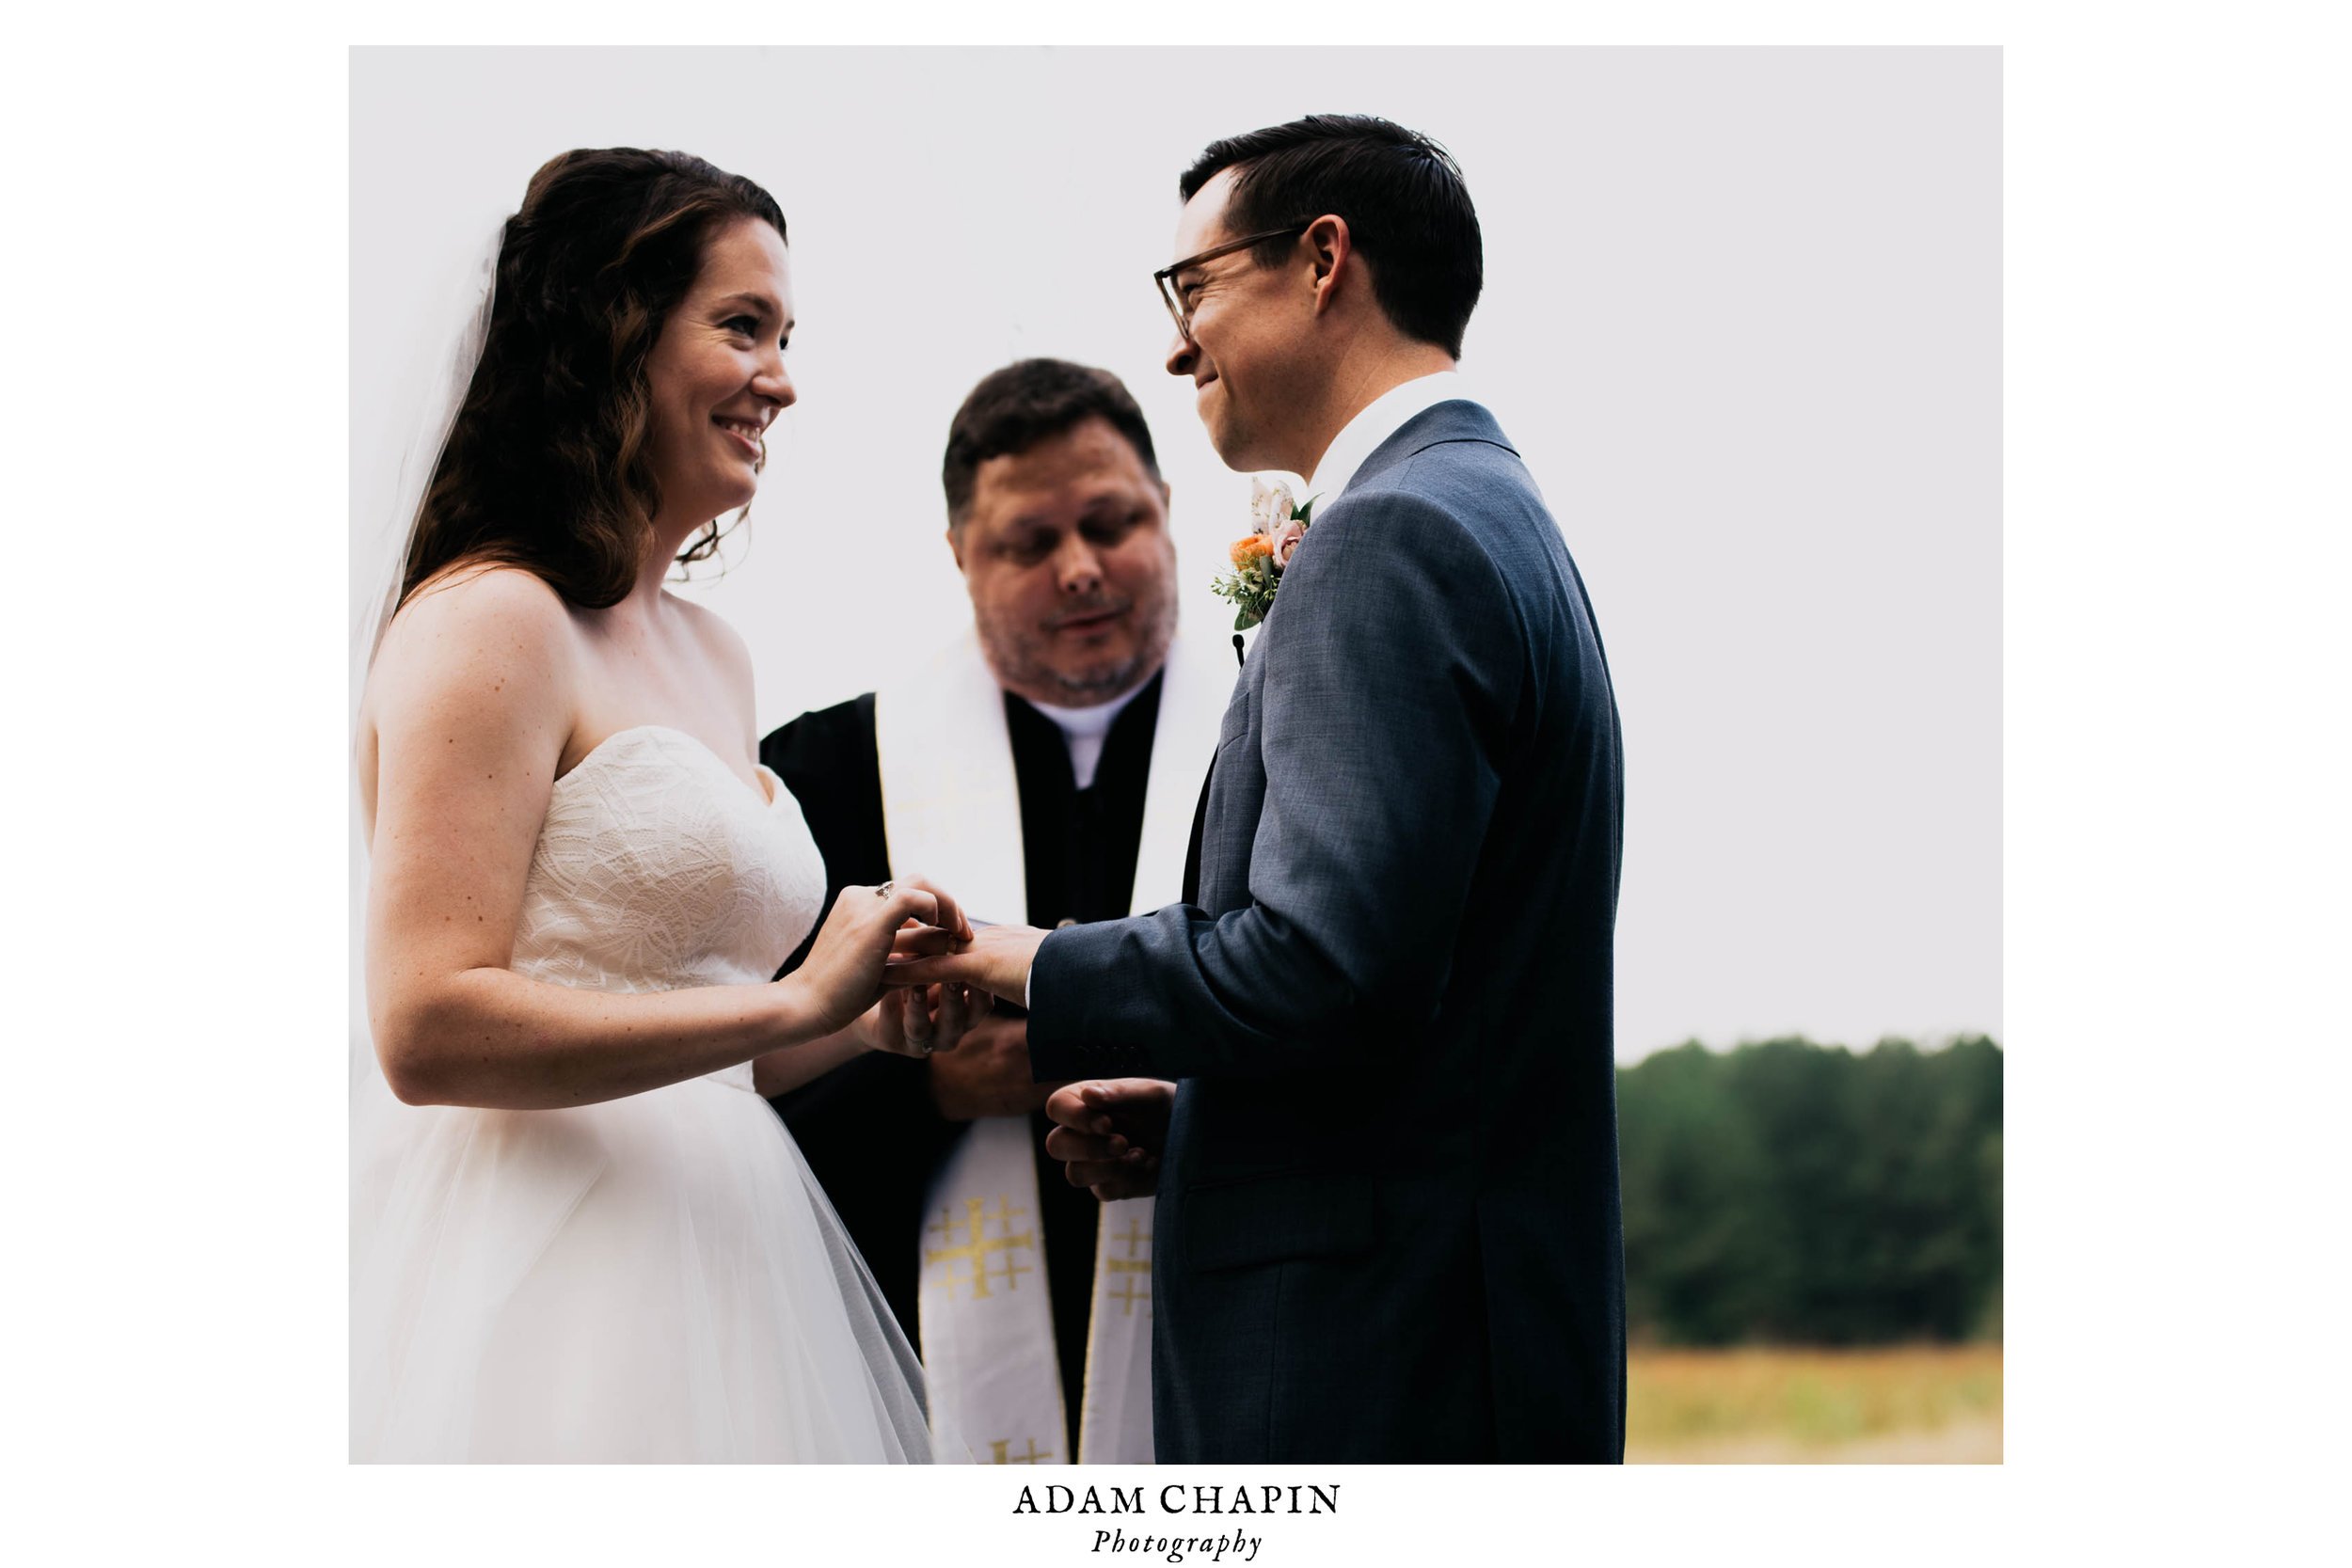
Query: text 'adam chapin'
pixel 1177 1498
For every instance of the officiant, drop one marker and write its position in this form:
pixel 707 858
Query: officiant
pixel 1045 767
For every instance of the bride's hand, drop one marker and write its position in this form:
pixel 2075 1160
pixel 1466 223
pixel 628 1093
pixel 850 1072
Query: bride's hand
pixel 918 1021
pixel 842 976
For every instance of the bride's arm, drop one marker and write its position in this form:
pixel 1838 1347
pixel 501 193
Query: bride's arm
pixel 776 1072
pixel 941 1013
pixel 471 703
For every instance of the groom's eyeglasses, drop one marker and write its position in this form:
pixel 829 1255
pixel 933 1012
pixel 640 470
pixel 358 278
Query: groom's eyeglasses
pixel 1165 278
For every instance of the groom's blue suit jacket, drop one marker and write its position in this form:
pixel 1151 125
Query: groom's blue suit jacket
pixel 1388 1224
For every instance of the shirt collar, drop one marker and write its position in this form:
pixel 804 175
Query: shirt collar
pixel 1079 723
pixel 1086 730
pixel 1373 423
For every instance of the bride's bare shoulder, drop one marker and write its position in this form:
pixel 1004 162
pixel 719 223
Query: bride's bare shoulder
pixel 475 626
pixel 501 606
pixel 461 595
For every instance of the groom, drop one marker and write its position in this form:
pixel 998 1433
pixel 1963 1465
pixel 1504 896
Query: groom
pixel 1406 862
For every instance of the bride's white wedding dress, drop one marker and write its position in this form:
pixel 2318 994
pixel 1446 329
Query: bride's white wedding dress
pixel 656 1277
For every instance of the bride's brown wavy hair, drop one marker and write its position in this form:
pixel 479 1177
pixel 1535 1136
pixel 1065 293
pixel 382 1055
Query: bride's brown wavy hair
pixel 548 464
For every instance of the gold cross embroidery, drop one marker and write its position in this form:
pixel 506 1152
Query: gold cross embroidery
pixel 1133 1241
pixel 997 1453
pixel 1012 1269
pixel 973 1253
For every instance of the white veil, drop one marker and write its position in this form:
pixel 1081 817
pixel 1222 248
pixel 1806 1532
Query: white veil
pixel 433 386
pixel 387 493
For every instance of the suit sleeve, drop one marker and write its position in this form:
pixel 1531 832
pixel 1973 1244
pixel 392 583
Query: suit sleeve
pixel 1393 663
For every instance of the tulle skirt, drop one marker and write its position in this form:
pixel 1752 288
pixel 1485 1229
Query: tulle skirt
pixel 653 1279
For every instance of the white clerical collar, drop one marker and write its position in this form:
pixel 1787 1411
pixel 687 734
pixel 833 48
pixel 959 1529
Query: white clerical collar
pixel 1373 423
pixel 1085 729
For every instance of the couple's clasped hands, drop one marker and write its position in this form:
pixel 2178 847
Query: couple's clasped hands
pixel 900 968
pixel 1108 1132
pixel 854 979
pixel 904 970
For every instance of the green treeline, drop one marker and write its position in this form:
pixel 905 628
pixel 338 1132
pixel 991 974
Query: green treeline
pixel 1796 1194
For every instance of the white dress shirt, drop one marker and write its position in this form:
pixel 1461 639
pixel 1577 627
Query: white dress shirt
pixel 1373 423
pixel 1085 729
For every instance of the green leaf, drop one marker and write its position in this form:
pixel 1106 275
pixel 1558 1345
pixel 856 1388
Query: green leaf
pixel 1245 620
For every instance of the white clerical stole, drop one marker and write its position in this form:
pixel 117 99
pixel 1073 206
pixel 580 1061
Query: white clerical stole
pixel 951 809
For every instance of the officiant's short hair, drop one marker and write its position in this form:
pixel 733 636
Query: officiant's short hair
pixel 1408 209
pixel 1027 402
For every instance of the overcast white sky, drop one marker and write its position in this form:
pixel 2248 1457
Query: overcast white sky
pixel 1742 317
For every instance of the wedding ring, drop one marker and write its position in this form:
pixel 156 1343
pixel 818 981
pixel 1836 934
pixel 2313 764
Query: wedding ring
pixel 883 891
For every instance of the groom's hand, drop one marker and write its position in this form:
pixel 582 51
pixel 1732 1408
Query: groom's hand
pixel 1109 1132
pixel 995 961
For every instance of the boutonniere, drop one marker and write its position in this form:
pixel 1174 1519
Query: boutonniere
pixel 1278 524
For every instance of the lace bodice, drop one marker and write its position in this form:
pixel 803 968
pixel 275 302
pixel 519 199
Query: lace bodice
pixel 658 868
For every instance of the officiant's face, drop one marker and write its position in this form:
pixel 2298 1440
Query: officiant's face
pixel 1072 576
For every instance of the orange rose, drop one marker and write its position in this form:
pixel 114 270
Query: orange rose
pixel 1246 550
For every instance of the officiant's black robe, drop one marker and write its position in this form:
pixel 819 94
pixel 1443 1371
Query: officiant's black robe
pixel 869 1128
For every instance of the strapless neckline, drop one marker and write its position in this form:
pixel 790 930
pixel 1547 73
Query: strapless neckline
pixel 774 786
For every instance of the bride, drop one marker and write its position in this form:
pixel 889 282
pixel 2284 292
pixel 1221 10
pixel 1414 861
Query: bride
pixel 578 1232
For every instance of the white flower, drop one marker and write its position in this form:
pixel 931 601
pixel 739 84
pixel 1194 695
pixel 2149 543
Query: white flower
pixel 1285 541
pixel 1270 505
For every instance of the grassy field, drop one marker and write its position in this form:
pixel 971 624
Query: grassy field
pixel 1911 1404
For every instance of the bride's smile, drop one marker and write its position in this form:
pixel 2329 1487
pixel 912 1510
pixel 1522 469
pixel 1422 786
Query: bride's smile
pixel 717 376
pixel 745 431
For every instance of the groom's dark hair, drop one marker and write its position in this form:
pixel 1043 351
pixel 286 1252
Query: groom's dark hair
pixel 1408 212
pixel 1027 402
